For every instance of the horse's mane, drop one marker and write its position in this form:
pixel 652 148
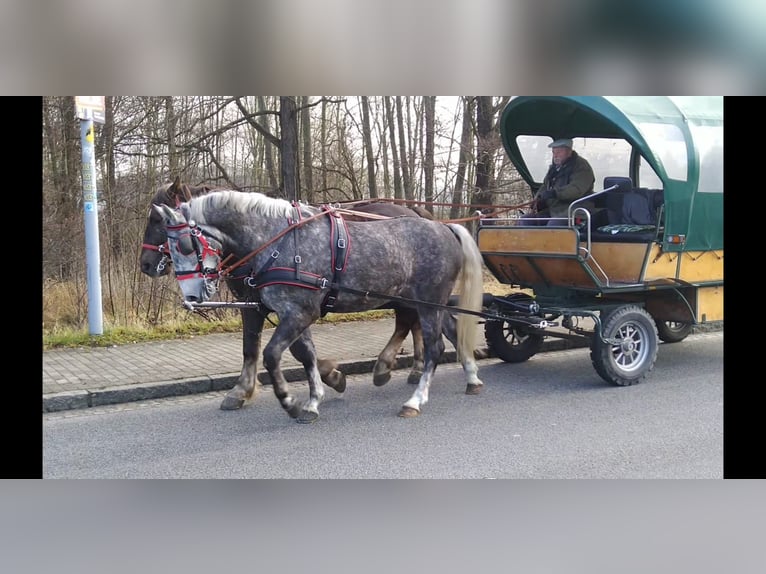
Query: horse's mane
pixel 163 194
pixel 241 202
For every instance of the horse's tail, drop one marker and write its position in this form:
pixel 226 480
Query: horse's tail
pixel 471 285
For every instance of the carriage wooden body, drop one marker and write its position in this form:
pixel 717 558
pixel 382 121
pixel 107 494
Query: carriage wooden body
pixel 617 284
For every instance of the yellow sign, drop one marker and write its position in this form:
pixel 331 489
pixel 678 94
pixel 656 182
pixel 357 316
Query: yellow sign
pixel 89 135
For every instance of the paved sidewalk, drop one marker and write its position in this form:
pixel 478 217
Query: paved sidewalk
pixel 88 377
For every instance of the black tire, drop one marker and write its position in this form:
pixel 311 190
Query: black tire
pixel 631 358
pixel 512 345
pixel 673 331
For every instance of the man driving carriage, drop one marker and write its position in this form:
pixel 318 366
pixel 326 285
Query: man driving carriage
pixel 569 177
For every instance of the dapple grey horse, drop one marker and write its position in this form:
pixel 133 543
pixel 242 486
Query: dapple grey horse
pixel 303 259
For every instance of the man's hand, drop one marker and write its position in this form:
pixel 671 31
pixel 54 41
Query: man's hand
pixel 547 195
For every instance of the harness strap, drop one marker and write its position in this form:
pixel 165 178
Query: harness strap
pixel 287 276
pixel 339 256
pixel 161 248
pixel 339 245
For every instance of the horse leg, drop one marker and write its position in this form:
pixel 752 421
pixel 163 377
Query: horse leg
pixel 417 345
pixel 470 368
pixel 252 329
pixel 330 374
pixel 433 346
pixel 303 350
pixel 328 369
pixel 381 373
pixel 289 330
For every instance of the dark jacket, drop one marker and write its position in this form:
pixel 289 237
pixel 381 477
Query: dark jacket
pixel 572 180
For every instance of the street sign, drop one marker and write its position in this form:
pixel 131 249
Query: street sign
pixel 90 108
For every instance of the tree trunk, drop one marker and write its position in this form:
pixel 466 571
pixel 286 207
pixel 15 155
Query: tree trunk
pixel 484 152
pixel 271 170
pixel 288 122
pixel 323 160
pixel 394 154
pixel 308 176
pixel 367 137
pixel 428 159
pixel 407 185
pixel 466 137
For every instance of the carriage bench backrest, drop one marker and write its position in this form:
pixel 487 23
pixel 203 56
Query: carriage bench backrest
pixel 628 214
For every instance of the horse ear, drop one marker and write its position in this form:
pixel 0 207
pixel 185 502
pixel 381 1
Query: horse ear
pixel 178 191
pixel 158 210
pixel 166 213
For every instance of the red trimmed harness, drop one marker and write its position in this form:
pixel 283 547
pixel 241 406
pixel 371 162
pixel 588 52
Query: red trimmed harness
pixel 201 246
pixel 268 275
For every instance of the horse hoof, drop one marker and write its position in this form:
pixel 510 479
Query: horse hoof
pixel 381 379
pixel 307 417
pixel 295 411
pixel 408 412
pixel 337 381
pixel 414 378
pixel 232 403
pixel 473 389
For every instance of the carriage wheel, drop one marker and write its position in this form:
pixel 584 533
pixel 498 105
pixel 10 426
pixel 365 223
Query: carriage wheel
pixel 673 331
pixel 632 351
pixel 511 344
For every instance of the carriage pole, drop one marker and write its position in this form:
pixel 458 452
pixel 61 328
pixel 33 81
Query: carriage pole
pixel 90 108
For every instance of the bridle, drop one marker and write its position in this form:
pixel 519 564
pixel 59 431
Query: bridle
pixel 164 250
pixel 187 237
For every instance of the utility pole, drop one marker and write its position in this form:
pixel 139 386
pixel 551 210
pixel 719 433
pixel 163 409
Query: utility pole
pixel 90 109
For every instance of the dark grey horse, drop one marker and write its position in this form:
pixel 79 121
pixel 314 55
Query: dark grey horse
pixel 155 261
pixel 302 260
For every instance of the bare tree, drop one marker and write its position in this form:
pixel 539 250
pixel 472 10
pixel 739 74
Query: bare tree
pixel 403 155
pixel 466 137
pixel 323 160
pixel 263 121
pixel 308 176
pixel 398 194
pixel 487 146
pixel 367 138
pixel 428 157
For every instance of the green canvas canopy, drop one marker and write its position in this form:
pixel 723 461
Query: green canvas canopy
pixel 680 138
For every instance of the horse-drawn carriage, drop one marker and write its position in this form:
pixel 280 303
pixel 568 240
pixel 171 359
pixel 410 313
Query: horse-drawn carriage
pixel 607 276
pixel 604 276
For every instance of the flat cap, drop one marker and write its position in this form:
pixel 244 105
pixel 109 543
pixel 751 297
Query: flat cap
pixel 562 142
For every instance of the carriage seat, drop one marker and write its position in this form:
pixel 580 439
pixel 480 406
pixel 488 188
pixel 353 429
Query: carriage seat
pixel 627 214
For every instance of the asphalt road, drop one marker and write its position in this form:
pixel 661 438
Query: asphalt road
pixel 550 417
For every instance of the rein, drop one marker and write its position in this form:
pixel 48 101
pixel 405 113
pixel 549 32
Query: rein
pixel 226 271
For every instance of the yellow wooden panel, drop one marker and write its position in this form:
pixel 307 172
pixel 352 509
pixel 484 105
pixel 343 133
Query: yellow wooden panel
pixel 661 265
pixel 622 262
pixel 701 266
pixel 565 273
pixel 710 304
pixel 526 240
pixel 557 271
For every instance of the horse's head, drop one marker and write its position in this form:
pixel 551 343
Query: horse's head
pixel 155 258
pixel 154 250
pixel 196 255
